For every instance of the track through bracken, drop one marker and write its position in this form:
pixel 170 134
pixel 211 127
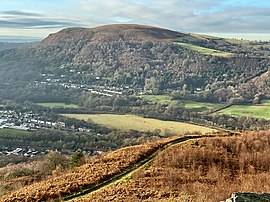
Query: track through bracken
pixel 202 170
pixel 99 172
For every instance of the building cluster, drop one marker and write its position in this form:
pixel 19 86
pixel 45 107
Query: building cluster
pixel 27 121
pixel 26 152
pixel 49 80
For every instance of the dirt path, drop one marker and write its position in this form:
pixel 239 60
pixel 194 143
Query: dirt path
pixel 126 174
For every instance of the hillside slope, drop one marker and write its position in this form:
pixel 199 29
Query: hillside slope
pixel 204 170
pixel 200 169
pixel 97 171
pixel 140 58
pixel 125 32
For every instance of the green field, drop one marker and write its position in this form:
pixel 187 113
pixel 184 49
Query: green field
pixel 200 106
pixel 238 41
pixel 162 99
pixel 206 51
pixel 258 111
pixel 132 122
pixel 190 105
pixel 13 132
pixel 58 105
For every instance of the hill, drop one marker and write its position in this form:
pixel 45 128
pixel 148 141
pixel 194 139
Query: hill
pixel 12 45
pixel 125 32
pixel 134 59
pixel 191 168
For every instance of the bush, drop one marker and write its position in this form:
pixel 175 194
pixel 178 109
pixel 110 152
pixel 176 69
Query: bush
pixel 76 159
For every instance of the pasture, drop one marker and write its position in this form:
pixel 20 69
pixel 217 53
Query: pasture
pixel 132 122
pixel 200 106
pixel 13 132
pixel 206 51
pixel 162 99
pixel 258 111
pixel 190 105
pixel 58 105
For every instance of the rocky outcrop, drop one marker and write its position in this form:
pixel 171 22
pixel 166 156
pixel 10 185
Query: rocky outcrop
pixel 249 197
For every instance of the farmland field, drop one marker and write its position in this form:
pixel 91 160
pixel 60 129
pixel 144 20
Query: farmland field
pixel 58 105
pixel 190 105
pixel 13 132
pixel 258 111
pixel 162 99
pixel 200 106
pixel 206 51
pixel 132 122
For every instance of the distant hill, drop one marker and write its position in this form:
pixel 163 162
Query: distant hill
pixel 125 32
pixel 12 45
pixel 138 58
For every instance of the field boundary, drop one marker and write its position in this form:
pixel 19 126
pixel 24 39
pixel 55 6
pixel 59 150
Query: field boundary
pixel 219 109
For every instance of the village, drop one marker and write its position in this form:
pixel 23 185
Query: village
pixel 66 82
pixel 26 152
pixel 94 84
pixel 27 121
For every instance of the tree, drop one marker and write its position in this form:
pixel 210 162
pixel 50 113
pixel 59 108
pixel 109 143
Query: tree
pixel 54 160
pixel 76 159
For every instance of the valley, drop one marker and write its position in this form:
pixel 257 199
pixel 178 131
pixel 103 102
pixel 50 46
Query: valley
pixel 134 113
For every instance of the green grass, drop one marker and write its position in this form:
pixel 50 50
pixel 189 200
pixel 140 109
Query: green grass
pixel 238 41
pixel 266 102
pixel 13 132
pixel 189 38
pixel 190 105
pixel 58 105
pixel 258 111
pixel 162 99
pixel 132 122
pixel 206 51
pixel 200 106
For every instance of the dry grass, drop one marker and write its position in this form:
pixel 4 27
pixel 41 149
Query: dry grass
pixel 96 170
pixel 206 170
pixel 131 122
pixel 15 176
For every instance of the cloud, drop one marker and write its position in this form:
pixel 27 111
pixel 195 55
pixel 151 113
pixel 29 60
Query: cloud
pixel 31 20
pixel 199 16
pixel 36 23
pixel 19 13
pixel 185 15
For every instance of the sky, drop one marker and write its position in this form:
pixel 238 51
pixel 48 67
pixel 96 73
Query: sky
pixel 247 19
